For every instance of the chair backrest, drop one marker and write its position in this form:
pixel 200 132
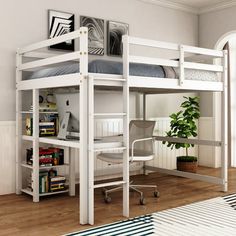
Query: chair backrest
pixel 139 129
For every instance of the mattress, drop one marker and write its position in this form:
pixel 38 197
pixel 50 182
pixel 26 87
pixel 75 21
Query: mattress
pixel 116 68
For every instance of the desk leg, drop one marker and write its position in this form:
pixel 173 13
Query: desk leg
pixel 71 171
pixel 91 153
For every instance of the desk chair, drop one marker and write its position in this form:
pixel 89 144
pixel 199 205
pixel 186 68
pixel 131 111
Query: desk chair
pixel 141 150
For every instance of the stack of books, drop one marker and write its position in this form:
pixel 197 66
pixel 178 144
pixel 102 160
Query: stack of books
pixel 57 183
pixel 49 181
pixel 47 156
pixel 48 126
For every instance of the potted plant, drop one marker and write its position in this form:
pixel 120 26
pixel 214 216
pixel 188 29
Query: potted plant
pixel 183 125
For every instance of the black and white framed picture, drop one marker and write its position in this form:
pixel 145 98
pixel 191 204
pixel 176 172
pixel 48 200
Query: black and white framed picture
pixel 115 30
pixel 60 23
pixel 95 34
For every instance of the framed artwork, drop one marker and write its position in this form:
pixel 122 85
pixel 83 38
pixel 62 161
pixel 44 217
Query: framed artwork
pixel 60 23
pixel 115 30
pixel 95 34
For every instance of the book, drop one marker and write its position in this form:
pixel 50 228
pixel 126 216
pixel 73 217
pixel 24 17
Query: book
pixel 57 182
pixel 46 123
pixel 57 178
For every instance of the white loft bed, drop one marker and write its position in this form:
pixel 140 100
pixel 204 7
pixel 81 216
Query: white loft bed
pixel 87 82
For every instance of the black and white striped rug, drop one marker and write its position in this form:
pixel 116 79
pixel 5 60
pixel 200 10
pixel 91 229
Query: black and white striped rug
pixel 213 217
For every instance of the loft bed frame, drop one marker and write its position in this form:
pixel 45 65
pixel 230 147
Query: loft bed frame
pixel 87 82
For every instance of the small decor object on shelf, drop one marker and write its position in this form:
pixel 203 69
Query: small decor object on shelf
pixel 61 23
pixel 95 34
pixel 29 126
pixel 115 31
pixel 183 125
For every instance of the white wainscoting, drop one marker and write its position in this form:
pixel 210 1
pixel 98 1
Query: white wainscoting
pixel 165 157
pixel 206 153
pixel 7 157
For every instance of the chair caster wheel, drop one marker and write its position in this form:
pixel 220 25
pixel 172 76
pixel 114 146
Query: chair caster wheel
pixel 156 194
pixel 142 201
pixel 107 199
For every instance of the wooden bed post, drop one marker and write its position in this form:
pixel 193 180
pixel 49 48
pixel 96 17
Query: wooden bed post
pixel 125 40
pixel 83 165
pixel 224 125
pixel 181 65
pixel 144 106
pixel 18 125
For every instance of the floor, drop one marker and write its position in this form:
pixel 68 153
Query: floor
pixel 57 215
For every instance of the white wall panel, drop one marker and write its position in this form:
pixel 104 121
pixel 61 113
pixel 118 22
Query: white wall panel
pixel 165 157
pixel 206 153
pixel 7 157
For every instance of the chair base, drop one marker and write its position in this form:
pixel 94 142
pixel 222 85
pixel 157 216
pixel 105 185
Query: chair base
pixel 133 187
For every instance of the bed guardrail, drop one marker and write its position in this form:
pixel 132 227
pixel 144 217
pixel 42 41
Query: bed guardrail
pixel 49 58
pixel 182 49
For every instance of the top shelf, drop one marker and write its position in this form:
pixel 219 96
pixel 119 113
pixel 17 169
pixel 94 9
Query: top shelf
pixel 40 112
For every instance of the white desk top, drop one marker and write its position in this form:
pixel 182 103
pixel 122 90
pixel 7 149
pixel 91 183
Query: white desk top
pixel 103 142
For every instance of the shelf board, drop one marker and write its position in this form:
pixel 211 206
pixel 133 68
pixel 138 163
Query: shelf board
pixel 49 167
pixel 43 167
pixel 27 191
pixel 53 193
pixel 41 112
pixel 56 141
pixel 26 165
pixel 44 194
pixel 27 137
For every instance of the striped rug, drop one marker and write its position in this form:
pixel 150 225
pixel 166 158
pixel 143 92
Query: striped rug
pixel 213 217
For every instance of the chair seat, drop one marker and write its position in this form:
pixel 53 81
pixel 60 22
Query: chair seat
pixel 118 157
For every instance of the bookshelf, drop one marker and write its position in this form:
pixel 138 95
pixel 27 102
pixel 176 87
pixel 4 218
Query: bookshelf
pixel 26 172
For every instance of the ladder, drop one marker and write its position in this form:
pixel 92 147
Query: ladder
pixel 92 150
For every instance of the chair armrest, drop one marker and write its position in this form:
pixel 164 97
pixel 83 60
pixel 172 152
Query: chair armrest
pixel 136 141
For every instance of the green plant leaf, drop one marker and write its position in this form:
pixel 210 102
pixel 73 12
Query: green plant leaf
pixel 183 122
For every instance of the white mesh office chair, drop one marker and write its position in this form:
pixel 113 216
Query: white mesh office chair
pixel 141 150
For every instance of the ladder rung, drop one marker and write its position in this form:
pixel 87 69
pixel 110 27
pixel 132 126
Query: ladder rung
pixel 109 184
pixel 109 149
pixel 110 79
pixel 109 114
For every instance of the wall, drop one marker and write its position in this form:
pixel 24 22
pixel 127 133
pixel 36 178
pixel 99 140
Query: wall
pixel 212 26
pixel 7 157
pixel 215 24
pixel 26 23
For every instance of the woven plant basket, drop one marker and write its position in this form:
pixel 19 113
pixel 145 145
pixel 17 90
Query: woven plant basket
pixel 187 166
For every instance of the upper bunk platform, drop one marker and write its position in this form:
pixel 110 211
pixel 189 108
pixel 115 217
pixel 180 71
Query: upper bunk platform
pixel 114 82
pixel 147 81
